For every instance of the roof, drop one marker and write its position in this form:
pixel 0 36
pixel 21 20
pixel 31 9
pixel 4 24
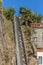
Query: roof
pixel 39 49
pixel 36 25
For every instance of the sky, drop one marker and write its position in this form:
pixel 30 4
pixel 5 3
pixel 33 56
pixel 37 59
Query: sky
pixel 35 5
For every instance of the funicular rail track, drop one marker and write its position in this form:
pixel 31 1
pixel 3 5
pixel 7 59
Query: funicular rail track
pixel 22 42
pixel 21 60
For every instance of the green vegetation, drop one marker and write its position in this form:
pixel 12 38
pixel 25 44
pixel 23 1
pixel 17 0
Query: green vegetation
pixel 0 2
pixel 29 16
pixel 9 13
pixel 9 17
pixel 6 55
pixel 27 33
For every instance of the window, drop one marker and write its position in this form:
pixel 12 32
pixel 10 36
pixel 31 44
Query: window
pixel 35 39
pixel 40 59
pixel 35 31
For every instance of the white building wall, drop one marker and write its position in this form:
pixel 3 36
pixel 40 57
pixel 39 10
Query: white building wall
pixel 37 37
pixel 40 54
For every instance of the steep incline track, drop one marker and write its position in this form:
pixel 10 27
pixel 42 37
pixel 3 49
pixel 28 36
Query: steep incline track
pixel 20 48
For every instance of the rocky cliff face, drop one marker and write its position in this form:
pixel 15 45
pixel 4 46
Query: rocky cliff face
pixel 7 43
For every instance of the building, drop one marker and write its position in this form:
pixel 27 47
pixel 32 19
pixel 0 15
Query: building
pixel 37 39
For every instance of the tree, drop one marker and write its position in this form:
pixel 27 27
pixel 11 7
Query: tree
pixel 26 15
pixel 9 13
pixel 0 2
pixel 36 18
pixel 29 16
